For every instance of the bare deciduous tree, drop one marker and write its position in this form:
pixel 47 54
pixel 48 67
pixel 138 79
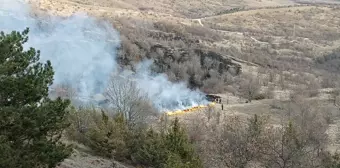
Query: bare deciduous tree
pixel 64 91
pixel 299 141
pixel 249 88
pixel 302 141
pixel 126 98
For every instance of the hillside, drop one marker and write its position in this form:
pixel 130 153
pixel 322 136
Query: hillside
pixel 179 8
pixel 287 49
pixel 262 36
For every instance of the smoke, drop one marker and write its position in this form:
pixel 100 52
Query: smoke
pixel 82 51
pixel 164 94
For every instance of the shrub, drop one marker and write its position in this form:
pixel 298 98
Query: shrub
pixel 260 96
pixel 166 149
pixel 103 134
pixel 249 87
pixel 81 121
pixel 150 151
pixel 110 136
pixel 177 142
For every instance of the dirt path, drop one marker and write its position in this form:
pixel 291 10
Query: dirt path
pixel 199 21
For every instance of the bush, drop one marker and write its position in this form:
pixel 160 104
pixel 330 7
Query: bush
pixel 249 87
pixel 177 143
pixel 260 96
pixel 213 85
pixel 111 137
pixel 107 137
pixel 104 135
pixel 150 151
pixel 81 121
pixel 165 149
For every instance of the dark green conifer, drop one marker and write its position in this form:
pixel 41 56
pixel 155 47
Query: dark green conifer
pixel 31 124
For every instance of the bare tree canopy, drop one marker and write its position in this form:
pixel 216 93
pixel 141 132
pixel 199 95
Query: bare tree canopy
pixel 249 87
pixel 125 97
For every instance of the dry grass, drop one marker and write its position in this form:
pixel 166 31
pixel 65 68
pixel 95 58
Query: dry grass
pixel 186 8
pixel 178 8
pixel 316 30
pixel 250 35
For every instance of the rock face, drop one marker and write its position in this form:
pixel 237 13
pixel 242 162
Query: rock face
pixel 224 63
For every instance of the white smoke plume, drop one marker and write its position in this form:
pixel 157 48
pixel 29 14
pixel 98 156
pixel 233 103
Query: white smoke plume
pixel 83 54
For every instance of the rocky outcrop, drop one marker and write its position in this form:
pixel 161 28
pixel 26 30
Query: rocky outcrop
pixel 225 63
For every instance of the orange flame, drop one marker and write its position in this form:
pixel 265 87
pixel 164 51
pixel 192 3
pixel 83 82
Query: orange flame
pixel 177 112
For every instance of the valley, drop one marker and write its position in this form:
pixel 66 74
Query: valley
pixel 263 57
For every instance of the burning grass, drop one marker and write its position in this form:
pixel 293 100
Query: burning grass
pixel 191 109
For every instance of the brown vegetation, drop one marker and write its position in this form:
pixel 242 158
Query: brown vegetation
pixel 208 53
pixel 253 54
pixel 300 140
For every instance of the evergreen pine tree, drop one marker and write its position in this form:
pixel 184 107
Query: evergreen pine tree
pixel 177 143
pixel 31 124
